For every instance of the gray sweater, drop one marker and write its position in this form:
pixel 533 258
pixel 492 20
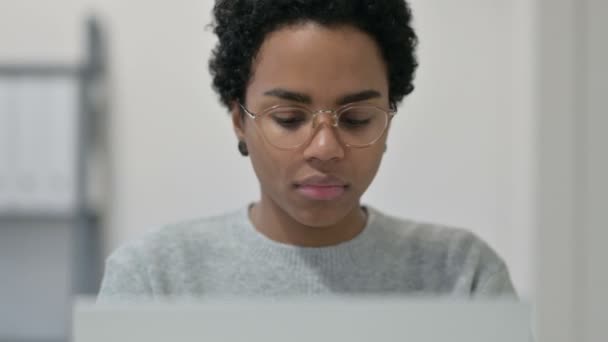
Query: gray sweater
pixel 226 256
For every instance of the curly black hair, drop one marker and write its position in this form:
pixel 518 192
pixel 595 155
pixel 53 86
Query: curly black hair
pixel 242 25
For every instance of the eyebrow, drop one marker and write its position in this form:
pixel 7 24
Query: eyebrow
pixel 306 99
pixel 360 96
pixel 289 95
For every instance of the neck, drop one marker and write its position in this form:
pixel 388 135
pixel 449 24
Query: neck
pixel 276 224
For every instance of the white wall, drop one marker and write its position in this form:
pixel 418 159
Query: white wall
pixel 573 163
pixel 460 152
pixel 32 31
pixel 594 202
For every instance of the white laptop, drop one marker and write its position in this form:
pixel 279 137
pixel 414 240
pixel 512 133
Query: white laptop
pixel 304 320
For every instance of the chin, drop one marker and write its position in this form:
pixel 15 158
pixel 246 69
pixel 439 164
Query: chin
pixel 322 215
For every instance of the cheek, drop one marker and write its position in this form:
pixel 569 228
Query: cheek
pixel 367 163
pixel 270 165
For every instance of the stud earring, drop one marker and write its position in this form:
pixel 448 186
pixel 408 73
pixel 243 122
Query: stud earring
pixel 243 148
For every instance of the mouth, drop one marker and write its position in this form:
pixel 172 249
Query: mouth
pixel 321 188
pixel 321 192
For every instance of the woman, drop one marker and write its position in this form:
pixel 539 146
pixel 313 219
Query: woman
pixel 312 87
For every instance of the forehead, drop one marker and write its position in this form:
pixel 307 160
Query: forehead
pixel 323 62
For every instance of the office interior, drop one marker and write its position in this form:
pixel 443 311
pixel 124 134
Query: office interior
pixel 109 128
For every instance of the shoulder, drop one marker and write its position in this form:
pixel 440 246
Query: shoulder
pixel 176 238
pixel 433 236
pixel 156 263
pixel 452 255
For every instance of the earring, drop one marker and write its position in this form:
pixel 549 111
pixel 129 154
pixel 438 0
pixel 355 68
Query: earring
pixel 243 148
pixel 385 148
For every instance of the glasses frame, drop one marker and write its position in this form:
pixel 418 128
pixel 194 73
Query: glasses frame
pixel 335 113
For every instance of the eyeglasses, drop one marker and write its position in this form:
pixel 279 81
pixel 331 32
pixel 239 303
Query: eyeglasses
pixel 289 127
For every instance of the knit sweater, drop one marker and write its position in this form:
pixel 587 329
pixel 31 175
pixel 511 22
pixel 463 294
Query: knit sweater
pixel 226 256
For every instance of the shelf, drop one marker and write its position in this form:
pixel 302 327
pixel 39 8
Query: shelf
pixel 47 217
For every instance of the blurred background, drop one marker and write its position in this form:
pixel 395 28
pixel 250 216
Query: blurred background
pixel 109 128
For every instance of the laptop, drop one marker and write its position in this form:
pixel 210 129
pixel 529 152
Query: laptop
pixel 304 320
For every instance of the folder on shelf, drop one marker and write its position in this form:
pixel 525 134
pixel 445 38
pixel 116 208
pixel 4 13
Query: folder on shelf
pixel 39 132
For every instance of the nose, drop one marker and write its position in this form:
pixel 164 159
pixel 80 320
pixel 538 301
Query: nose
pixel 325 144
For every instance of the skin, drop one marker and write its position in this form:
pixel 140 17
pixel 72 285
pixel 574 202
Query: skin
pixel 324 65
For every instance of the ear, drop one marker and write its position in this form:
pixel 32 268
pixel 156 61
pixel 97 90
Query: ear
pixel 238 122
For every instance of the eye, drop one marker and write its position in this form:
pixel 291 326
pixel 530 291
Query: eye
pixel 355 118
pixel 289 118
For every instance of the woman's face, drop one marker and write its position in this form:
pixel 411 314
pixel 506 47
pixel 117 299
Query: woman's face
pixel 320 183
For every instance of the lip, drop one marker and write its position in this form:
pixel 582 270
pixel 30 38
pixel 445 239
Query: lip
pixel 322 181
pixel 321 188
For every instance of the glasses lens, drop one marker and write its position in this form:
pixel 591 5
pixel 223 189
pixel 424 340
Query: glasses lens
pixel 360 126
pixel 287 127
pixel 290 127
